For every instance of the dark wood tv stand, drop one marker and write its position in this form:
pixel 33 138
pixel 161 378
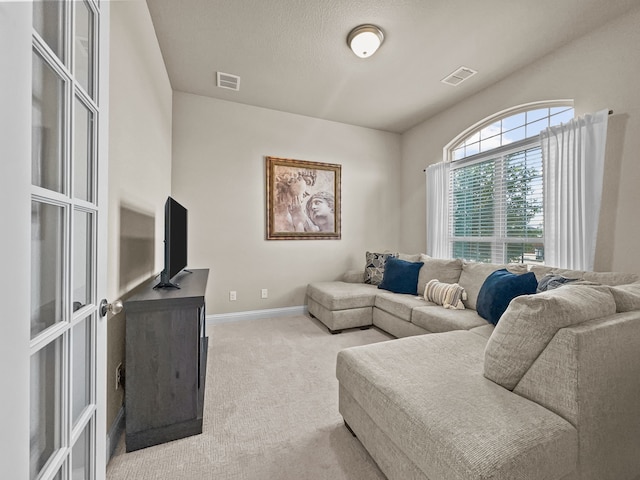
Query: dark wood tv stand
pixel 166 361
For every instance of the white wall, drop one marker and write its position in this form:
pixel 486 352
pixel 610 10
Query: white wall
pixel 598 71
pixel 218 173
pixel 139 128
pixel 139 155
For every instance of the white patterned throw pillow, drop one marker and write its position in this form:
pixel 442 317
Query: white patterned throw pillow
pixel 374 267
pixel 449 295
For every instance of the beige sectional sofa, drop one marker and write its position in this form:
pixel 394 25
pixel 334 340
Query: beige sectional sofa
pixel 551 392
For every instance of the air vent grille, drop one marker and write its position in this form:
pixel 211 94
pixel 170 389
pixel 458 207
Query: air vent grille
pixel 228 81
pixel 459 76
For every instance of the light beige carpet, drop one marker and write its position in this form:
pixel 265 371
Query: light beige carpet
pixel 271 410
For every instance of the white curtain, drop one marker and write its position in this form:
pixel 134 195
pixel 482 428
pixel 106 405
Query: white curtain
pixel 438 210
pixel 573 162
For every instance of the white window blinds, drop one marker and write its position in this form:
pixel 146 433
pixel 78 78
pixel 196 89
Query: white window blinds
pixel 496 206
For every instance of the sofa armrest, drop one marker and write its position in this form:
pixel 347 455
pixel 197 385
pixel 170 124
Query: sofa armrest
pixel 588 375
pixel 353 276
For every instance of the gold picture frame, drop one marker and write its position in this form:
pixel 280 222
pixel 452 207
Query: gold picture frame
pixel 303 200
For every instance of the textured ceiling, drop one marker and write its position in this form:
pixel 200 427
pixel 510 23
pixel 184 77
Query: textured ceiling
pixel 292 55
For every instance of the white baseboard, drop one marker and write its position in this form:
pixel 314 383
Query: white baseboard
pixel 115 432
pixel 220 318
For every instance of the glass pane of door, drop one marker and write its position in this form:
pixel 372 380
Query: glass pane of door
pixel 84 46
pixel 46 404
pixel 82 153
pixel 48 21
pixel 82 256
pixel 47 240
pixel 80 456
pixel 82 365
pixel 47 126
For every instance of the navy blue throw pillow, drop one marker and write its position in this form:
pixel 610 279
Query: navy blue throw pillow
pixel 401 276
pixel 499 289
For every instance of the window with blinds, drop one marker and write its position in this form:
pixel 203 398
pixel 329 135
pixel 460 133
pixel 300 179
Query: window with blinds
pixel 496 207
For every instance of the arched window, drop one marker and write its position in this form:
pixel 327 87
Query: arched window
pixel 495 207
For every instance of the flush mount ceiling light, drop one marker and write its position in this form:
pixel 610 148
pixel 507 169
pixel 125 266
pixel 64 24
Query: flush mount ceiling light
pixel 365 40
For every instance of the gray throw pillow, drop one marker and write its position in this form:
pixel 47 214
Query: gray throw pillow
pixel 531 321
pixel 551 281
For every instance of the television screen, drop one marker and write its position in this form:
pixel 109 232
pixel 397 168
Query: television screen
pixel 175 242
pixel 177 237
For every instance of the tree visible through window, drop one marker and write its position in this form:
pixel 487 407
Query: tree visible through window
pixel 495 194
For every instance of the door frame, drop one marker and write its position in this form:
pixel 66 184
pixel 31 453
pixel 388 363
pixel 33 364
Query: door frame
pixel 103 37
pixel 15 199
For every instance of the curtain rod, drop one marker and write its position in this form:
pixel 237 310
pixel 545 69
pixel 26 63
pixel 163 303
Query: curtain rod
pixel 610 113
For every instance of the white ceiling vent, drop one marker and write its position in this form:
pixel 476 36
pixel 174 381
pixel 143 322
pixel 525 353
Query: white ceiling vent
pixel 228 81
pixel 459 76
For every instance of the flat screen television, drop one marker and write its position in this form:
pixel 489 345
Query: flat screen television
pixel 175 243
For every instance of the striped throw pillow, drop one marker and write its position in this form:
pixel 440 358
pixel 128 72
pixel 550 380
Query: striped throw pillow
pixel 449 295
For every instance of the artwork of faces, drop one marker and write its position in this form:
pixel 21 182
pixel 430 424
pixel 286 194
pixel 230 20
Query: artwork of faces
pixel 302 199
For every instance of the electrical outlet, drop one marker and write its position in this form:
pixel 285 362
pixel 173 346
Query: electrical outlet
pixel 119 376
pixel 264 293
pixel 232 296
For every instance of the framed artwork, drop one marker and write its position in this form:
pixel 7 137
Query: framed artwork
pixel 303 200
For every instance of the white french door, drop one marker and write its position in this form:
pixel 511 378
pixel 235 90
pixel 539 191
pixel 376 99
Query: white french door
pixel 66 341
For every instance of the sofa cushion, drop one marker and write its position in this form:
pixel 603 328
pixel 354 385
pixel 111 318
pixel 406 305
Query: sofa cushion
pixel 444 270
pixel 353 276
pixel 483 330
pixel 531 321
pixel 565 272
pixel 541 270
pixel 398 304
pixel 374 266
pixel 394 326
pixel 605 278
pixel 401 276
pixel 410 257
pixel 449 295
pixel 437 319
pixel 627 297
pixel 499 289
pixel 428 396
pixel 474 274
pixel 611 278
pixel 342 295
